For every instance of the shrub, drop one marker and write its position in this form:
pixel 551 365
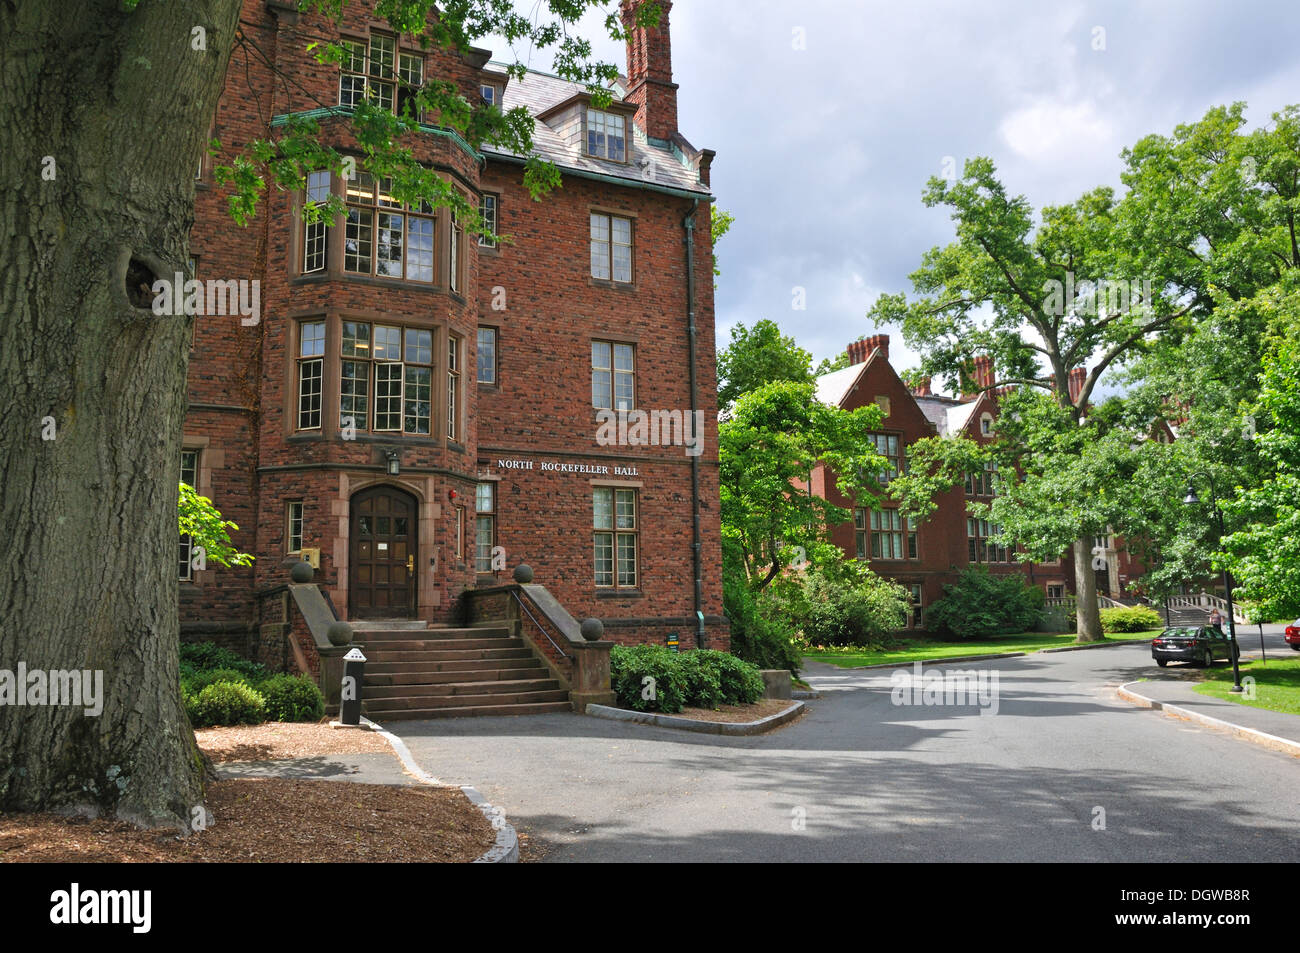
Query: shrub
pixel 739 681
pixel 845 604
pixel 759 635
pixel 198 656
pixel 630 666
pixel 699 678
pixel 1132 619
pixel 195 682
pixel 292 698
pixel 981 604
pixel 225 703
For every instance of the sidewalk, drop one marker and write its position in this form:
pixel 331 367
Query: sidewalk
pixel 1176 697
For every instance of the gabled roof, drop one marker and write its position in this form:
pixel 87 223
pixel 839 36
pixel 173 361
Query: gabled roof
pixel 948 415
pixel 832 388
pixel 667 165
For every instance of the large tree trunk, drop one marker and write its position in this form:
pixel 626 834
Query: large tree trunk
pixel 1087 615
pixel 121 101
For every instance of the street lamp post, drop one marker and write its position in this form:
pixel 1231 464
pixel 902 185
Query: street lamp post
pixel 1193 500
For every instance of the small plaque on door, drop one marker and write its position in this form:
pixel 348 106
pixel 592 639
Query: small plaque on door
pixel 383 547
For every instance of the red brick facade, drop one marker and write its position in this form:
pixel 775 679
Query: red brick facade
pixel 943 542
pixel 536 291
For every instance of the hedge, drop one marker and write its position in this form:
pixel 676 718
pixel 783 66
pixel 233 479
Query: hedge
pixel 655 678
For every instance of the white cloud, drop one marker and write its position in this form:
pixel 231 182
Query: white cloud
pixel 1052 130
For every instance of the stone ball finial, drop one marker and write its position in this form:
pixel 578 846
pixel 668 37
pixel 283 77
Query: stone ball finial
pixel 523 574
pixel 339 633
pixel 302 572
pixel 592 629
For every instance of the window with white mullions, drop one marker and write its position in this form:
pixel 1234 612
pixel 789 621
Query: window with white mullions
pixel 190 477
pixel 453 388
pixel 892 536
pixel 611 248
pixel 887 445
pixel 979 547
pixel 606 136
pixel 384 237
pixel 486 353
pixel 311 364
pixel 293 527
pixel 984 482
pixel 613 375
pixel 614 513
pixel 487 210
pixel 398 362
pixel 485 510
pixel 313 243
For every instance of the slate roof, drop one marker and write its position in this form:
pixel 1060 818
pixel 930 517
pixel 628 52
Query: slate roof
pixel 538 92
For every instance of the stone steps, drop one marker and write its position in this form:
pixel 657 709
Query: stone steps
pixel 476 711
pixel 416 671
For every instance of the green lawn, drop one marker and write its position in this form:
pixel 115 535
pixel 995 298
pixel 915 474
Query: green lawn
pixel 922 650
pixel 1277 684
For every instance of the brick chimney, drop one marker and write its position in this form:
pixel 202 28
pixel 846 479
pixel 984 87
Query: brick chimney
pixel 922 389
pixel 858 352
pixel 650 71
pixel 878 342
pixel 981 376
pixel 1078 375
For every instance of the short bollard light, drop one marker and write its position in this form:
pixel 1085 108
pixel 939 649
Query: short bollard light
pixel 354 670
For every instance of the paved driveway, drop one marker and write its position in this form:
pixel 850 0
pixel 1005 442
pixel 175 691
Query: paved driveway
pixel 861 779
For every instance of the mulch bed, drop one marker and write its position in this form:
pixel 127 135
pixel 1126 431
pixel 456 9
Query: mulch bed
pixel 275 740
pixel 269 820
pixel 763 708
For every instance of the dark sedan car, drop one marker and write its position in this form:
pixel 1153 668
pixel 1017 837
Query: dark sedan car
pixel 1194 644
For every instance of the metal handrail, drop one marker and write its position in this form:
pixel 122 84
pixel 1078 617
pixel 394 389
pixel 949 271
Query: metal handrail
pixel 515 595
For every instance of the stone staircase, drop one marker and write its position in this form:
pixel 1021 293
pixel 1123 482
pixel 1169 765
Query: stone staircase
pixel 415 670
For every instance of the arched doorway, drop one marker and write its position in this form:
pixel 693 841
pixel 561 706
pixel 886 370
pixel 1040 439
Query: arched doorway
pixel 383 542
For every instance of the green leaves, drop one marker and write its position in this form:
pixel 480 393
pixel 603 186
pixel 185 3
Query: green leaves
pixel 1265 553
pixel 759 356
pixel 768 450
pixel 385 138
pixel 201 521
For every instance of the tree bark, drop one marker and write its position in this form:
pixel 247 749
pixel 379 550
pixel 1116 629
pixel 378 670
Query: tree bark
pixel 1086 613
pixel 121 102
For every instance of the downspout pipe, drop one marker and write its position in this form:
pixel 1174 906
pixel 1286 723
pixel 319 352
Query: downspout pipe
pixel 689 225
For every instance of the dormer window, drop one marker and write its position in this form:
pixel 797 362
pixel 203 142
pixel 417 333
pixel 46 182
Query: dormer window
pixel 378 72
pixel 606 136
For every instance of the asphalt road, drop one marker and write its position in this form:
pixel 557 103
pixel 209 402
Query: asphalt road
pixel 860 778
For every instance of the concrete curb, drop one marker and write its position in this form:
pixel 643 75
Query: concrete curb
pixel 928 661
pixel 1096 645
pixel 690 724
pixel 506 848
pixel 1284 745
pixel 984 658
pixel 800 694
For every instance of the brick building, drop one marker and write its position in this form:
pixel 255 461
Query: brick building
pixel 926 556
pixel 418 411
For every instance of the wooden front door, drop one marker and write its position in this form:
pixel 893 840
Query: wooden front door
pixel 382 548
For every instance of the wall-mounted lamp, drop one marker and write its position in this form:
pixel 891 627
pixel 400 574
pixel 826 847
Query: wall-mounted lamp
pixel 394 462
pixel 452 494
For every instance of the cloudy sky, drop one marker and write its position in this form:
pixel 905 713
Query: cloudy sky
pixel 828 117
